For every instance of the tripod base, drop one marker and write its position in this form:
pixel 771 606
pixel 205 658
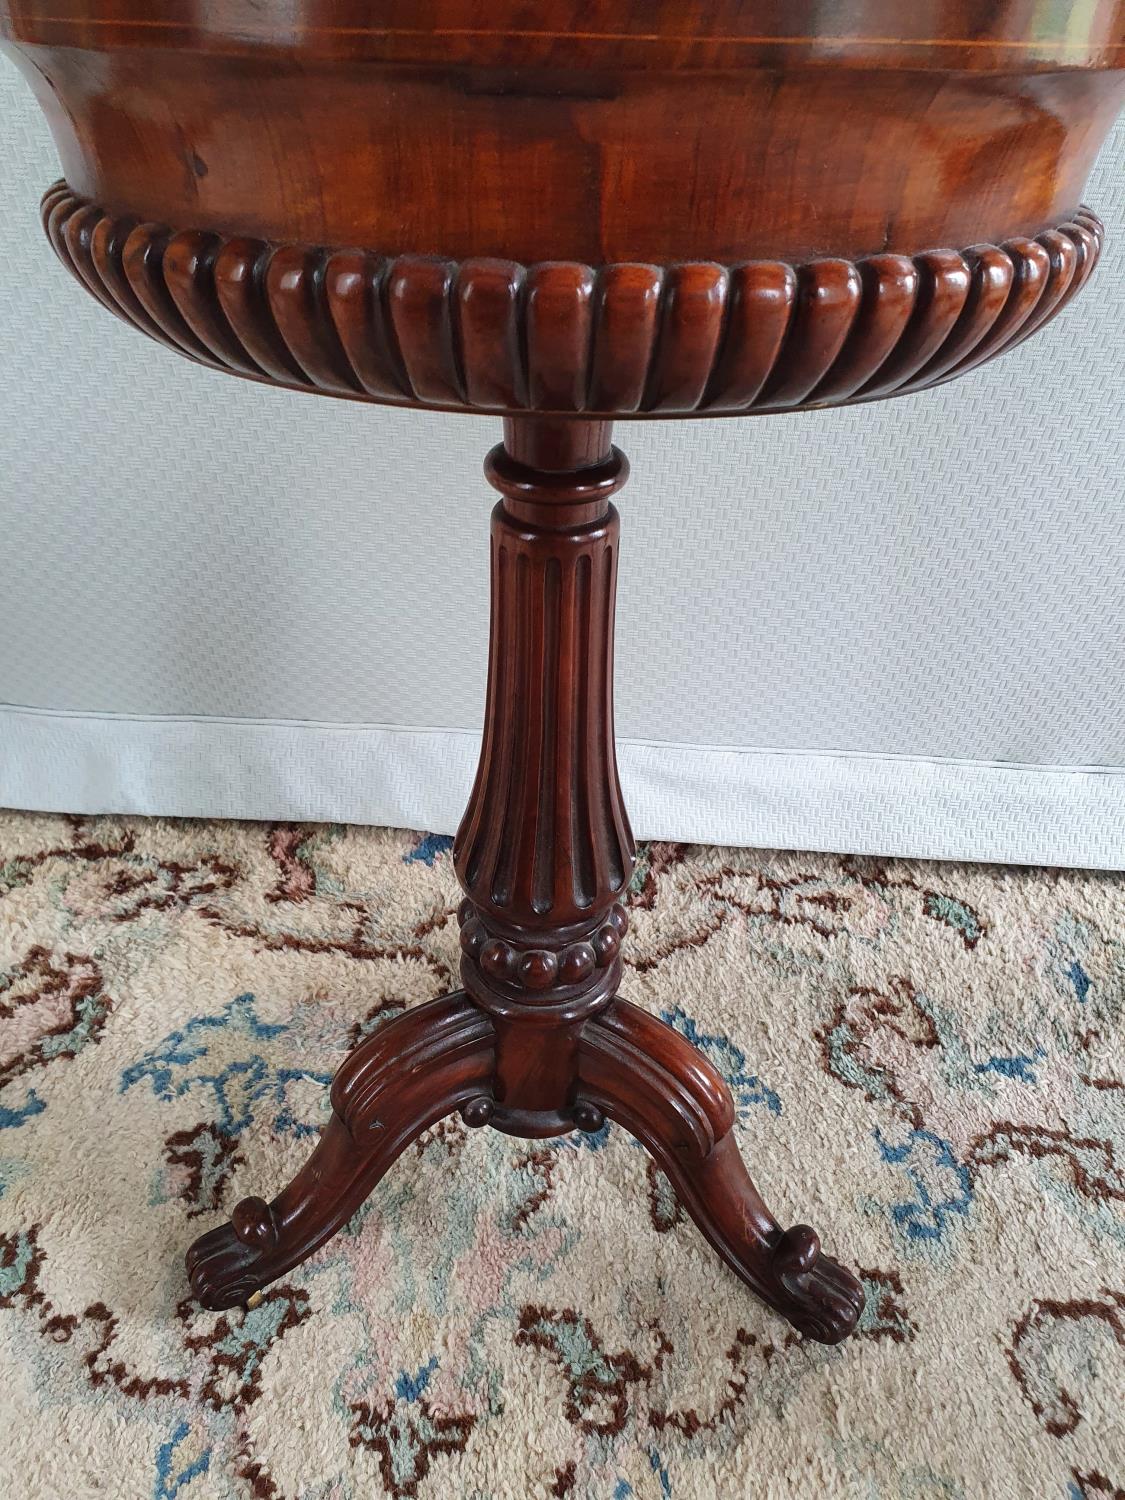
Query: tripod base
pixel 536 1044
pixel 631 1068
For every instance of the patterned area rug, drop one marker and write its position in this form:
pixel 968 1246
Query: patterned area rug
pixel 927 1065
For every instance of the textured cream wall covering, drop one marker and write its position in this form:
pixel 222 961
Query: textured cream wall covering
pixel 841 603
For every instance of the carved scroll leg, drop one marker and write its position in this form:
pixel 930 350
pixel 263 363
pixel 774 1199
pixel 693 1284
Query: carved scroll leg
pixel 647 1077
pixel 402 1079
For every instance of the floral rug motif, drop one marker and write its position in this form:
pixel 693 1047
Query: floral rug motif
pixel 927 1065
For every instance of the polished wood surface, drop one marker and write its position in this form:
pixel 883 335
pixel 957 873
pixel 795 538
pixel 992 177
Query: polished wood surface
pixel 563 214
pixel 608 132
pixel 940 34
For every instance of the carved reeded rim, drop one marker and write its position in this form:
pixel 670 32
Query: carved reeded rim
pixel 486 335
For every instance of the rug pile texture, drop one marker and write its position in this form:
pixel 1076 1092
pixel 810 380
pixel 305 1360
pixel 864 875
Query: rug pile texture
pixel 927 1065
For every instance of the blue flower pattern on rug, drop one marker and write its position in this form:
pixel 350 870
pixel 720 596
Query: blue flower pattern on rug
pixel 170 1481
pixel 747 1088
pixel 942 1187
pixel 242 1091
pixel 430 846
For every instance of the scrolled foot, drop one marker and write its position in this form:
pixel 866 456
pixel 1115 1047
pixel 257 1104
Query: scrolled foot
pixel 649 1078
pixel 819 1296
pixel 228 1265
pixel 409 1073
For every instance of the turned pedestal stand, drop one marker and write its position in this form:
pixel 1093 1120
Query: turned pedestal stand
pixel 561 215
pixel 538 1042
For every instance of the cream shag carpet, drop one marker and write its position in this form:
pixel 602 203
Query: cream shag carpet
pixel 927 1064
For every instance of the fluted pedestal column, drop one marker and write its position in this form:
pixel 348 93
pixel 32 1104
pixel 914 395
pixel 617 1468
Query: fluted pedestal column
pixel 545 851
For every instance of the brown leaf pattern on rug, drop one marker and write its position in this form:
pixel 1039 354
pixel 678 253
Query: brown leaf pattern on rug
pixel 235 1346
pixel 297 880
pixel 1088 1166
pixel 200 1162
pixel 51 1006
pixel 407 1436
pixel 598 1383
pixel 874 1031
pixel 1056 1345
